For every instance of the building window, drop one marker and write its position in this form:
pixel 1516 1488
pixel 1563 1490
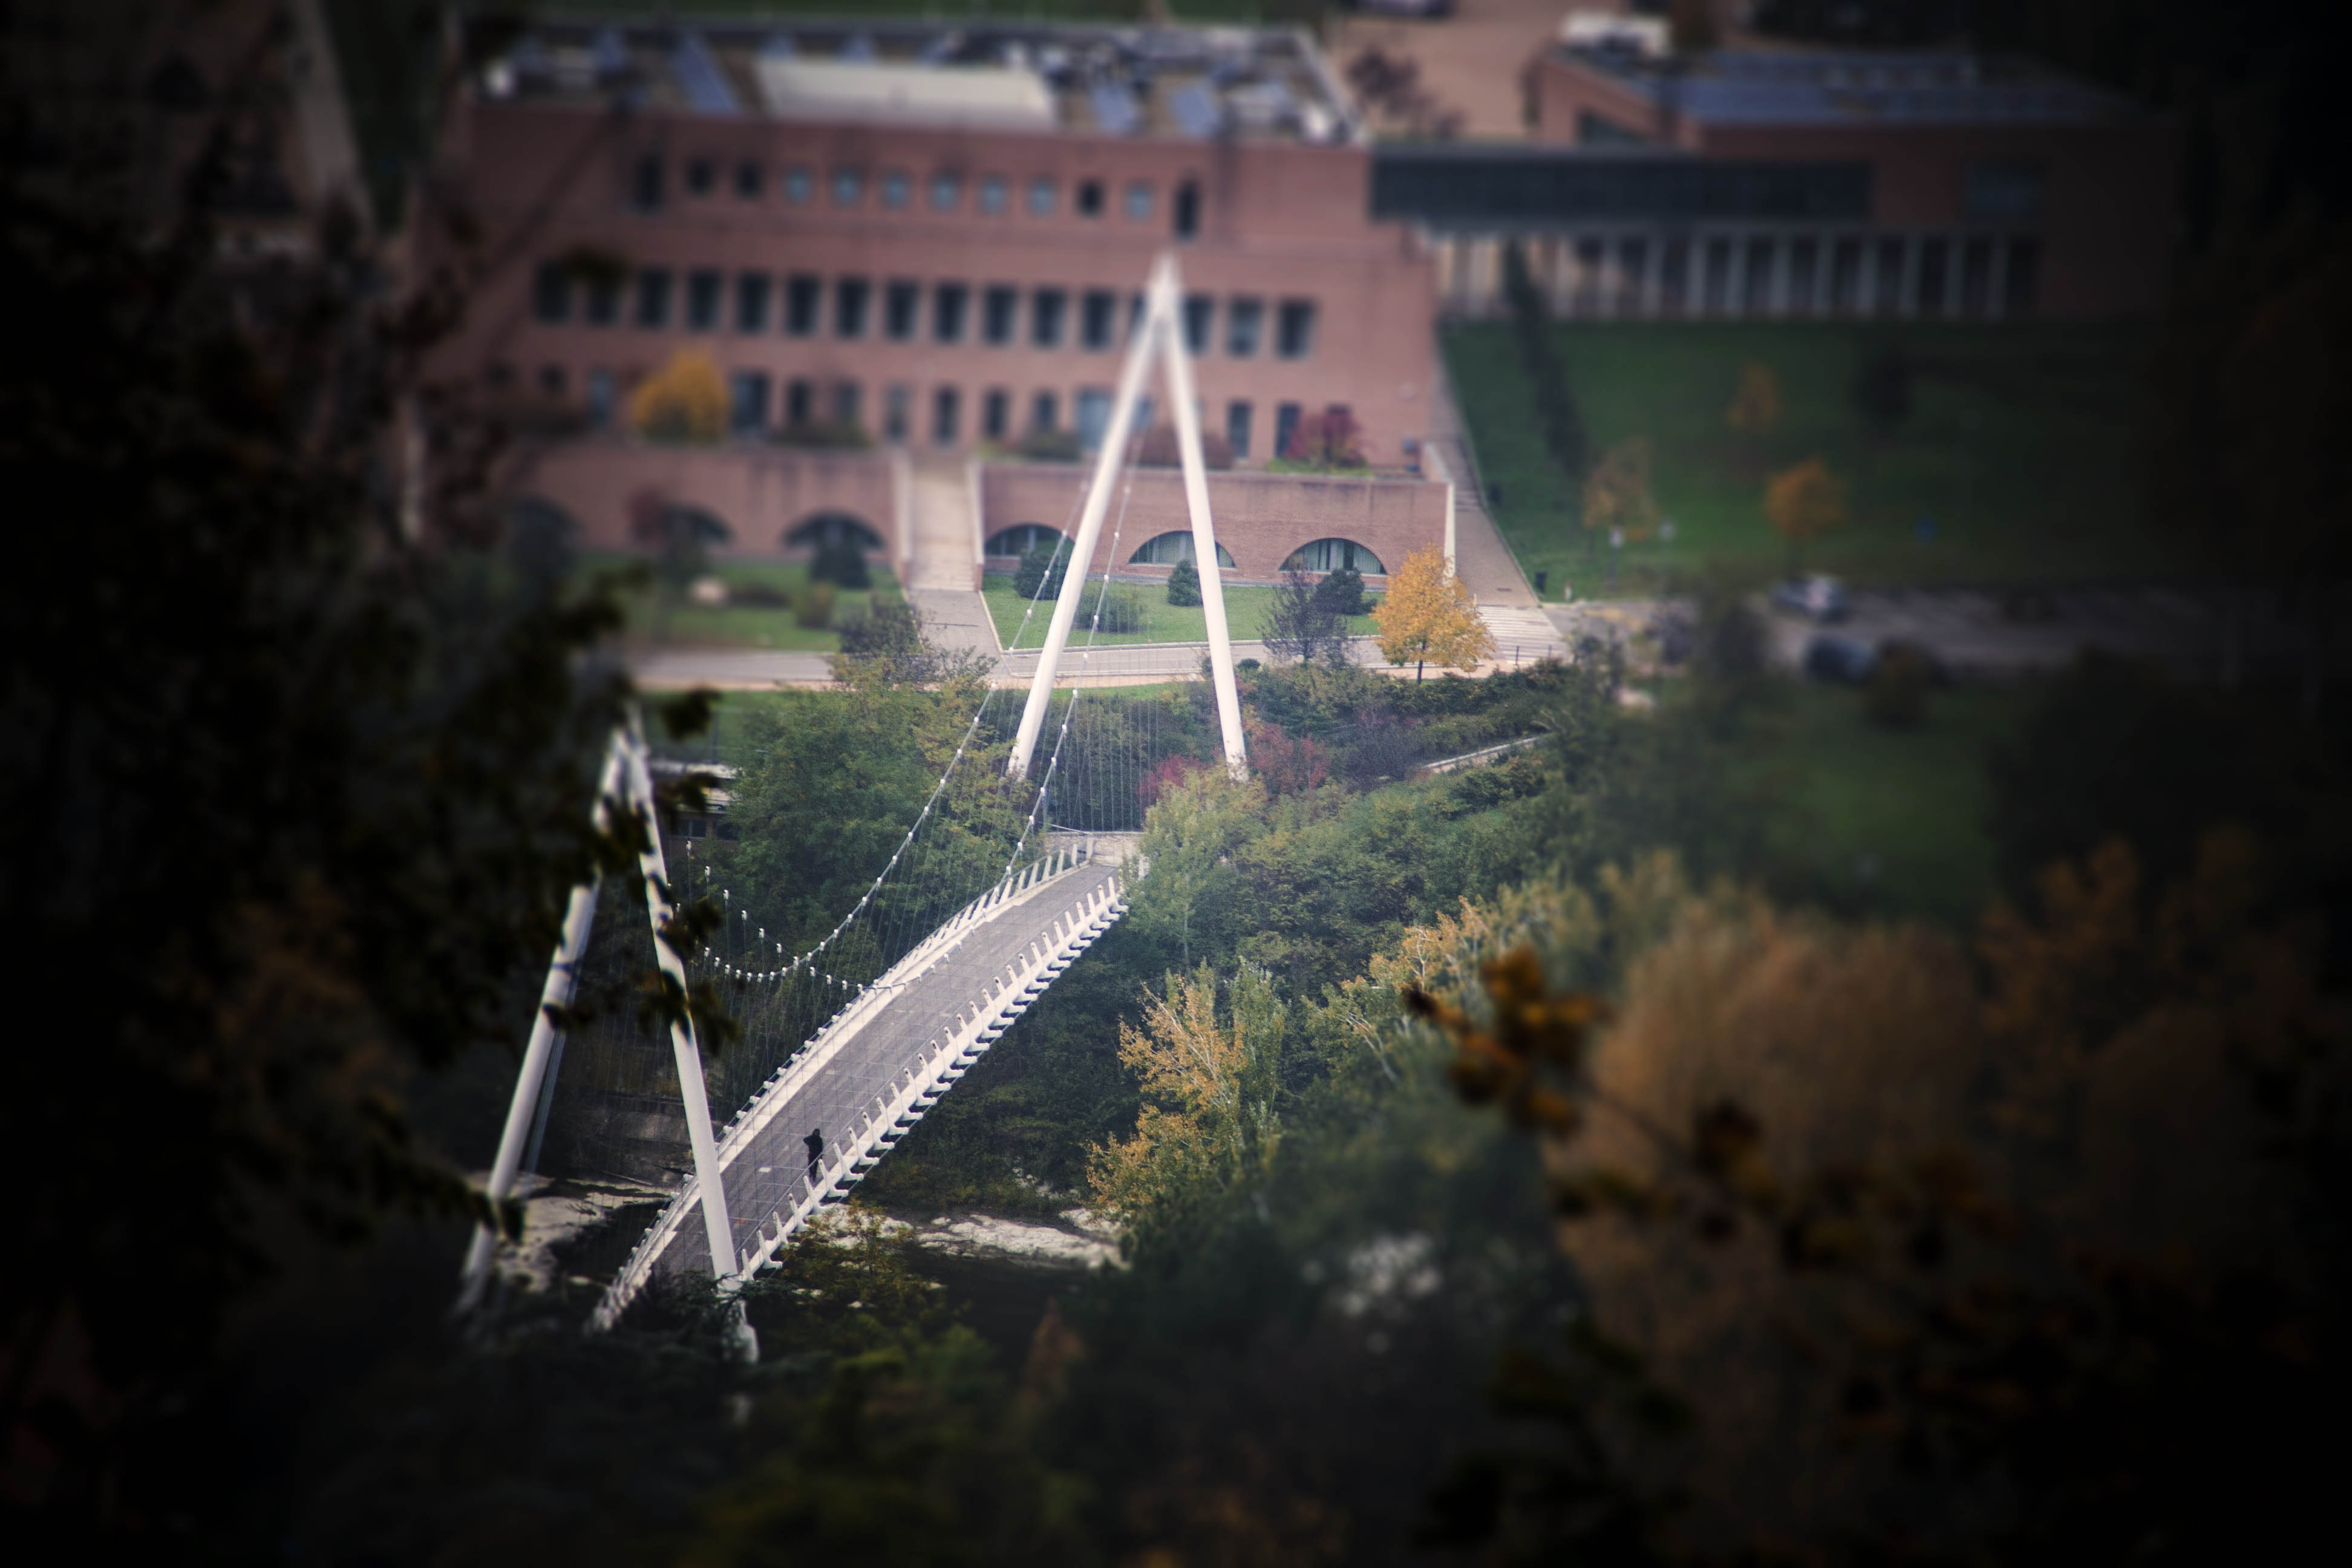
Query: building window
pixel 603 398
pixel 702 291
pixel 998 308
pixel 1021 538
pixel 945 191
pixel 1089 198
pixel 645 184
pixel 2018 282
pixel 501 376
pixel 1244 326
pixel 1756 280
pixel 799 184
pixel 1199 309
pixel 896 400
pixel 2003 193
pixel 1237 427
pixel 1976 276
pixel 653 298
pixel 848 186
pixel 1094 418
pixel 746 401
pixel 1888 283
pixel 1187 214
pixel 847 412
pixel 802 295
pixel 1045 411
pixel 947 301
pixel 1599 130
pixel 849 298
pixel 1804 257
pixel 1167 548
pixel 800 402
pixel 551 292
pixel 995 413
pixel 701 173
pixel 902 303
pixel 1098 319
pixel 1845 277
pixel 551 381
pixel 946 412
pixel 991 193
pixel 1139 201
pixel 1295 328
pixel 605 300
pixel 1334 555
pixel 749 180
pixel 751 291
pixel 1041 197
pixel 1935 261
pixel 895 189
pixel 1285 425
pixel 1047 307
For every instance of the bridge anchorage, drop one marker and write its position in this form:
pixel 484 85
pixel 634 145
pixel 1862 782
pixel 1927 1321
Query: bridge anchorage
pixel 832 1099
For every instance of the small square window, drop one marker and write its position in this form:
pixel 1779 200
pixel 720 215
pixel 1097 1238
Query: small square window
pixel 1047 307
pixel 1089 198
pixel 848 188
pixel 645 184
pixel 1139 201
pixel 799 186
pixel 746 401
pixel 1186 218
pixel 702 291
pixel 847 412
pixel 902 303
pixel 946 191
pixel 701 173
pixel 991 193
pixel 1041 197
pixel 653 297
pixel 895 189
pixel 800 402
pixel 603 304
pixel 749 180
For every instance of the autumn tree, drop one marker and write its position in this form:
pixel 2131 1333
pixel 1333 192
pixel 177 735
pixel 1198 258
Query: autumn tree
pixel 684 401
pixel 1430 616
pixel 1617 493
pixel 1805 503
pixel 1754 411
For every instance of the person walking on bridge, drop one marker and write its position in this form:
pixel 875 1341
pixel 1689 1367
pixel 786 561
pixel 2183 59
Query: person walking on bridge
pixel 815 1141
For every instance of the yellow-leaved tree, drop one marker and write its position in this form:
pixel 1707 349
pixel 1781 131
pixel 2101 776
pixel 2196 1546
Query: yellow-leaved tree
pixel 1617 493
pixel 686 400
pixel 1805 503
pixel 1207 1119
pixel 1429 617
pixel 1755 406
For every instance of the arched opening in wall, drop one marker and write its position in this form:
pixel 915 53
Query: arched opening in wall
pixel 1333 555
pixel 540 540
pixel 1021 538
pixel 673 529
pixel 1169 548
pixel 837 545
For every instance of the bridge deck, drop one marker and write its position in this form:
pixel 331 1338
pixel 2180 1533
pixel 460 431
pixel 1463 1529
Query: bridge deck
pixel 877 1066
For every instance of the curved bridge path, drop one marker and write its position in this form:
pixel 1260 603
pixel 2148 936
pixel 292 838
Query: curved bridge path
pixel 869 1075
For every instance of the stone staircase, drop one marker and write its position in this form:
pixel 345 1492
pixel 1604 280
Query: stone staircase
pixel 1522 634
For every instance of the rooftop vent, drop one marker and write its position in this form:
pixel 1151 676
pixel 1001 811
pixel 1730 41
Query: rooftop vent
pixel 1196 110
pixel 1115 111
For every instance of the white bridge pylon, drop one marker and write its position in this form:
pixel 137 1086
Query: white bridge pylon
pixel 1160 332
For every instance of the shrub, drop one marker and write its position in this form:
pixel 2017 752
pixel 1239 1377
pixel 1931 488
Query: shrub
pixel 824 434
pixel 684 401
pixel 1897 693
pixel 1328 442
pixel 1184 583
pixel 1341 592
pixel 843 564
pixel 1120 611
pixel 1049 446
pixel 761 595
pixel 1039 575
pixel 814 608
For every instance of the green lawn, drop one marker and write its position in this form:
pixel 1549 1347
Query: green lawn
pixel 1245 610
pixel 2020 447
pixel 655 616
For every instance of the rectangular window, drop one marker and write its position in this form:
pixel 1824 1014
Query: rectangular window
pixel 749 180
pixel 1089 198
pixel 799 184
pixel 849 297
pixel 902 303
pixel 2018 283
pixel 1098 319
pixel 1237 427
pixel 1199 309
pixel 1047 307
pixel 946 413
pixel 998 309
pixel 551 292
pixel 991 193
pixel 848 186
pixel 1804 259
pixel 1186 217
pixel 800 402
pixel 846 410
pixel 1935 262
pixel 1139 201
pixel 1041 197
pixel 603 397
pixel 947 301
pixel 1888 283
pixel 803 296
pixel 946 191
pixel 700 175
pixel 1244 327
pixel 895 188
pixel 645 184
pixel 1285 425
pixel 605 300
pixel 995 413
pixel 703 288
pixel 746 401
pixel 895 401
pixel 653 297
pixel 1294 330
pixel 1045 411
pixel 1093 416
pixel 751 291
pixel 1845 277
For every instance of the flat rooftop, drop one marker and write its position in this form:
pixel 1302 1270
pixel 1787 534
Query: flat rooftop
pixel 1197 83
pixel 1854 87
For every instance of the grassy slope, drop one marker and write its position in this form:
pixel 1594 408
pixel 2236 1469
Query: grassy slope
pixel 1245 610
pixel 745 626
pixel 2019 447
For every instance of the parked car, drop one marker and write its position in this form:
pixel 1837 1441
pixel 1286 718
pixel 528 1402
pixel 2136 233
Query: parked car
pixel 1815 596
pixel 1828 656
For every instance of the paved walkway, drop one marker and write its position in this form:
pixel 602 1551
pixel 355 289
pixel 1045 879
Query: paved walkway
pixel 1480 557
